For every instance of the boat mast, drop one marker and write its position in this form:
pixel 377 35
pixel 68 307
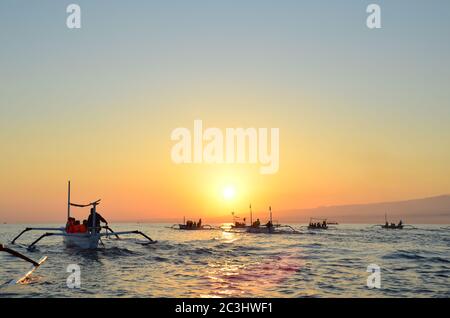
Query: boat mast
pixel 94 216
pixel 68 201
pixel 251 215
pixel 270 210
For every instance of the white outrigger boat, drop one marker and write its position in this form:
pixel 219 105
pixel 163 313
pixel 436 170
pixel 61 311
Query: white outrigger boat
pixel 88 240
pixel 25 258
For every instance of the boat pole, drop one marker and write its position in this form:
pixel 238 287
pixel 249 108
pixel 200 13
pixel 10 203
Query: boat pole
pixel 68 201
pixel 251 215
pixel 94 216
pixel 270 209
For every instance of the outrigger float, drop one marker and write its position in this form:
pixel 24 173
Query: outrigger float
pixel 25 258
pixel 88 240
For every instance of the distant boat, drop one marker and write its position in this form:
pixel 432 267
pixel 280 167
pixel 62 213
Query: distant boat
pixel 392 226
pixel 241 225
pixel 192 226
pixel 320 225
pixel 270 227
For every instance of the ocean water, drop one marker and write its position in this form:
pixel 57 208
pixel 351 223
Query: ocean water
pixel 333 263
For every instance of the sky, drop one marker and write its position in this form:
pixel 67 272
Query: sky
pixel 363 114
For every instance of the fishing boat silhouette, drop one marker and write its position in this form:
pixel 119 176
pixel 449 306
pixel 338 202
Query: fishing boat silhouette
pixel 89 237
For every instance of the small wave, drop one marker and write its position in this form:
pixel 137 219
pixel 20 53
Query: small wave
pixel 112 252
pixel 195 251
pixel 160 259
pixel 404 255
pixel 415 256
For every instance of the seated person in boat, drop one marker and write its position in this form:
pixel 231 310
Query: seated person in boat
pixel 76 227
pixel 257 223
pixel 269 224
pixel 199 224
pixel 72 225
pixel 69 224
pixel 98 219
pixel 84 227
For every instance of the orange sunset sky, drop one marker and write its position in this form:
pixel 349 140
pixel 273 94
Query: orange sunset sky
pixel 363 114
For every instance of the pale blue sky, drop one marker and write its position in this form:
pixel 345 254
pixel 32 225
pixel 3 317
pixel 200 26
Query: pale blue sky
pixel 316 46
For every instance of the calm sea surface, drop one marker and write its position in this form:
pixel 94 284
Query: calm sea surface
pixel 414 263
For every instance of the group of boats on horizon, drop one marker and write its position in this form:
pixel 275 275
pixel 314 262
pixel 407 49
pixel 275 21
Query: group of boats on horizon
pixel 89 234
pixel 254 226
pixel 270 227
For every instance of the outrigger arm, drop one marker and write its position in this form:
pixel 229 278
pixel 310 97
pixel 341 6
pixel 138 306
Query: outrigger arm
pixel 23 257
pixel 35 229
pixel 17 254
pixel 107 228
pixel 151 241
pixel 40 238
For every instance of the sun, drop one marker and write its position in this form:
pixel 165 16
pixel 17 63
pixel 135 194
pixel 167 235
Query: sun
pixel 229 192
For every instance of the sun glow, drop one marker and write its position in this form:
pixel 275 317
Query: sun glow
pixel 229 192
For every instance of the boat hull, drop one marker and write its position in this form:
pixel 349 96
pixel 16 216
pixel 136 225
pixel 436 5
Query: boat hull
pixel 317 228
pixel 192 228
pixel 239 226
pixel 269 230
pixel 83 241
pixel 397 227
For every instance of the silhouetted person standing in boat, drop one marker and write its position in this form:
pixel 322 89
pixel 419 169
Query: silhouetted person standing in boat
pixel 98 219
